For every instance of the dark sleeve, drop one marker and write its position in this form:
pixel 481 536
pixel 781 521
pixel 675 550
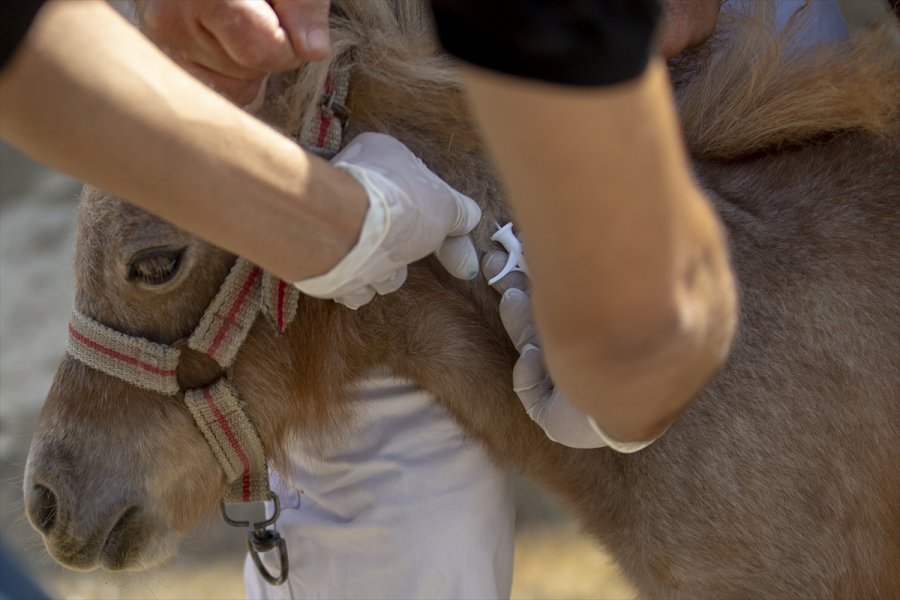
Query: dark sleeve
pixel 574 42
pixel 15 19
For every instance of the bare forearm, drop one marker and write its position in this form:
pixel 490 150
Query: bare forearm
pixel 632 289
pixel 635 387
pixel 121 116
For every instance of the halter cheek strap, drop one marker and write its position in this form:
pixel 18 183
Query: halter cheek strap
pixel 324 133
pixel 227 320
pixel 233 440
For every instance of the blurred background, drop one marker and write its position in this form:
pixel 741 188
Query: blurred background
pixel 37 216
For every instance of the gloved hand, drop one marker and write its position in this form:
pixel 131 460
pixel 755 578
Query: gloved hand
pixel 412 213
pixel 544 403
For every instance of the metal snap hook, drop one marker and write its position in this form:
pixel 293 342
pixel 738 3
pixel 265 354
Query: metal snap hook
pixel 264 540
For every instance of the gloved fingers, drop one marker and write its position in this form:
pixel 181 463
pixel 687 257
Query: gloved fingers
pixel 530 380
pixel 493 263
pixel 546 405
pixel 468 213
pixel 567 425
pixel 515 312
pixel 424 209
pixel 459 257
pixel 357 298
pixel 391 282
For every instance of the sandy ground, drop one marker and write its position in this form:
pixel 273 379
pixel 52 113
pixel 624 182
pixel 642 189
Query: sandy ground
pixel 36 222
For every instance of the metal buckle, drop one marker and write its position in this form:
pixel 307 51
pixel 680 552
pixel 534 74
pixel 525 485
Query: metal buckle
pixel 262 540
pixel 336 108
pixel 254 525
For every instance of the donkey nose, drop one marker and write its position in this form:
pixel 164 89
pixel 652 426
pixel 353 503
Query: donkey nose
pixel 41 508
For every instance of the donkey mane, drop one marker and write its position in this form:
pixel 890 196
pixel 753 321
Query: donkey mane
pixel 388 46
pixel 751 94
pixel 756 92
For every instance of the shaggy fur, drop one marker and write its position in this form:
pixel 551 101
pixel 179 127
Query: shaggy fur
pixel 779 481
pixel 757 93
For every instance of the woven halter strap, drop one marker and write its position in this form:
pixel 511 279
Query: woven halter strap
pixel 324 134
pixel 216 408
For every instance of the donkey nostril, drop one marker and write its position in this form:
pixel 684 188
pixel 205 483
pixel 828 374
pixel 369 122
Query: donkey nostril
pixel 122 539
pixel 124 522
pixel 43 508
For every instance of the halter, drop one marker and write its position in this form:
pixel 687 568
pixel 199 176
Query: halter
pixel 217 409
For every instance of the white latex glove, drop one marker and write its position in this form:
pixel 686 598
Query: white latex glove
pixel 412 213
pixel 544 403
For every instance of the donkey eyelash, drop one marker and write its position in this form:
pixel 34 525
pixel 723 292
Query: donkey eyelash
pixel 155 266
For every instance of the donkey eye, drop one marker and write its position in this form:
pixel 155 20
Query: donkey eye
pixel 154 266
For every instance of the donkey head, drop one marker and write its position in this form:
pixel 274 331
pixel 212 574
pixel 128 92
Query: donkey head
pixel 117 473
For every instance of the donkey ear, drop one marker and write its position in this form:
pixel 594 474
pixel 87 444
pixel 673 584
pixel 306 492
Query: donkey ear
pixel 154 267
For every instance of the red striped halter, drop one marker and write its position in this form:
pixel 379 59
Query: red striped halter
pixel 216 408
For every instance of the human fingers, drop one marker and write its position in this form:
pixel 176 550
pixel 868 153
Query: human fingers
pixel 517 318
pixel 231 44
pixel 357 298
pixel 257 102
pixel 306 24
pixel 468 213
pixel 434 199
pixel 493 263
pixel 412 213
pixel 247 38
pixel 190 31
pixel 391 282
pixel 458 256
pixel 546 405
pixel 424 210
pixel 530 380
pixel 244 93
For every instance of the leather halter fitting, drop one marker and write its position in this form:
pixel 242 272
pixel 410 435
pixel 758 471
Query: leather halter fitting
pixel 216 408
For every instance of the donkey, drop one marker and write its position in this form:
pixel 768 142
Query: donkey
pixel 781 479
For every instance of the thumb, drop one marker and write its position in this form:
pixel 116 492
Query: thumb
pixel 515 313
pixel 493 263
pixel 306 23
pixel 530 380
pixel 467 215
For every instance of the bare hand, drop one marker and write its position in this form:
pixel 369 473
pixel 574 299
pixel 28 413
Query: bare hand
pixel 233 45
pixel 685 24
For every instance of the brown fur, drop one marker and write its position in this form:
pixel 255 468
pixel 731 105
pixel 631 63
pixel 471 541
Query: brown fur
pixel 757 93
pixel 781 480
